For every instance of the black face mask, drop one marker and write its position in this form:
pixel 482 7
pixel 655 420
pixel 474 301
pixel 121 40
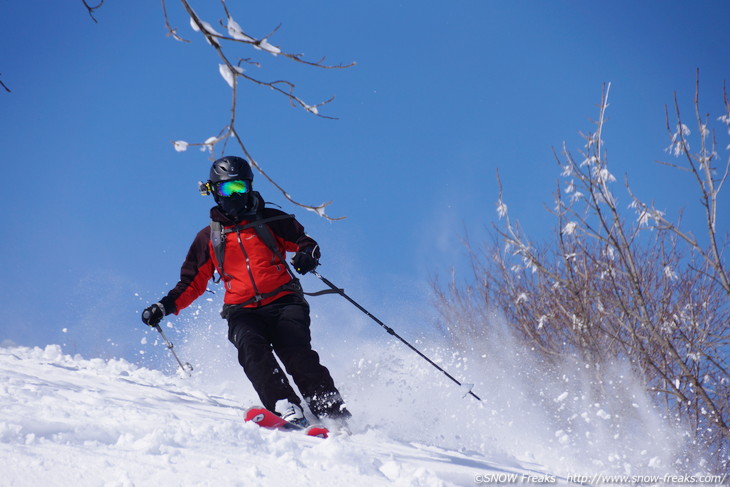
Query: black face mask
pixel 237 206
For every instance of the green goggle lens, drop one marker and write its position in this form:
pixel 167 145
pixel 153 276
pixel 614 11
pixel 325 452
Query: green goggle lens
pixel 229 188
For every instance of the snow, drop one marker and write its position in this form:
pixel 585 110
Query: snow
pixel 229 73
pixel 264 45
pixel 562 397
pixel 669 273
pixel 679 140
pixel 603 414
pixel 235 31
pixel 312 109
pixel 319 210
pixel 110 422
pixel 66 420
pixel 501 209
pixel 193 25
pixel 569 228
pixel 208 28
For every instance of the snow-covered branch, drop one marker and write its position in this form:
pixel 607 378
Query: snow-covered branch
pixel 709 181
pixel 232 71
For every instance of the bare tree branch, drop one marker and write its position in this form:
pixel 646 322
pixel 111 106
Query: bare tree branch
pixel 92 9
pixel 609 286
pixel 172 32
pixel 231 72
pixel 4 86
pixel 238 35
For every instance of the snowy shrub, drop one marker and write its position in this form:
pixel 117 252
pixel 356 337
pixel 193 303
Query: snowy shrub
pixel 618 284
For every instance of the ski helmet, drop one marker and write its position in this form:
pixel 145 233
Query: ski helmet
pixel 232 168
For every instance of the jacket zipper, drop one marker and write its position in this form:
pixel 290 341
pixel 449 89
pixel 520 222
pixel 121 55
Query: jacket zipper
pixel 248 265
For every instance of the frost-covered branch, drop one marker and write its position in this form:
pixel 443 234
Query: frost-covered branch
pixel 708 179
pixel 237 34
pixel 232 71
pixel 619 282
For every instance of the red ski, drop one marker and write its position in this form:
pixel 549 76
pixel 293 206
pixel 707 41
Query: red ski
pixel 266 419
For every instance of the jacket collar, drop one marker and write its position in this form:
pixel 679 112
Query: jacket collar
pixel 216 214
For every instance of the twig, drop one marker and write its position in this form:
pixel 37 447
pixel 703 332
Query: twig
pixel 232 72
pixel 5 86
pixel 170 31
pixel 674 166
pixel 91 9
pixel 263 44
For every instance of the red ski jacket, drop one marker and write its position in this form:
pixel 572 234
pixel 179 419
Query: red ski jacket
pixel 251 269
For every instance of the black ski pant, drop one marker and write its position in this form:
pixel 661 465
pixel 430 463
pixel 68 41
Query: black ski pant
pixel 282 327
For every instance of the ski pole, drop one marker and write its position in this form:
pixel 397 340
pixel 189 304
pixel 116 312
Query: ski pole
pixel 187 367
pixel 341 292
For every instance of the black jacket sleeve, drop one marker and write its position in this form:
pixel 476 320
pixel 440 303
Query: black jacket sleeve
pixel 195 272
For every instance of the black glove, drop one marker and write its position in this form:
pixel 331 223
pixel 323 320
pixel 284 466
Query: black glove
pixel 152 315
pixel 303 261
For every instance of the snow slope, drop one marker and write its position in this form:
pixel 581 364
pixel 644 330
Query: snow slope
pixel 66 420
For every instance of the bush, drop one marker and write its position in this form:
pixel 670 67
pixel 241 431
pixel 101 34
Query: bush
pixel 618 283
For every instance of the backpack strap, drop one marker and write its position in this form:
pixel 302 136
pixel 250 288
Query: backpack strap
pixel 267 236
pixel 218 239
pixel 260 225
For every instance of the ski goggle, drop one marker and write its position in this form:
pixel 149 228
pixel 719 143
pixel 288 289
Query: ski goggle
pixel 226 188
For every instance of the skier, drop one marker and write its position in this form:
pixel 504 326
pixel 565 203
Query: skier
pixel 246 244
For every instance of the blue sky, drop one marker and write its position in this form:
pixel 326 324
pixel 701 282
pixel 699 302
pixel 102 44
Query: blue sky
pixel 98 210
